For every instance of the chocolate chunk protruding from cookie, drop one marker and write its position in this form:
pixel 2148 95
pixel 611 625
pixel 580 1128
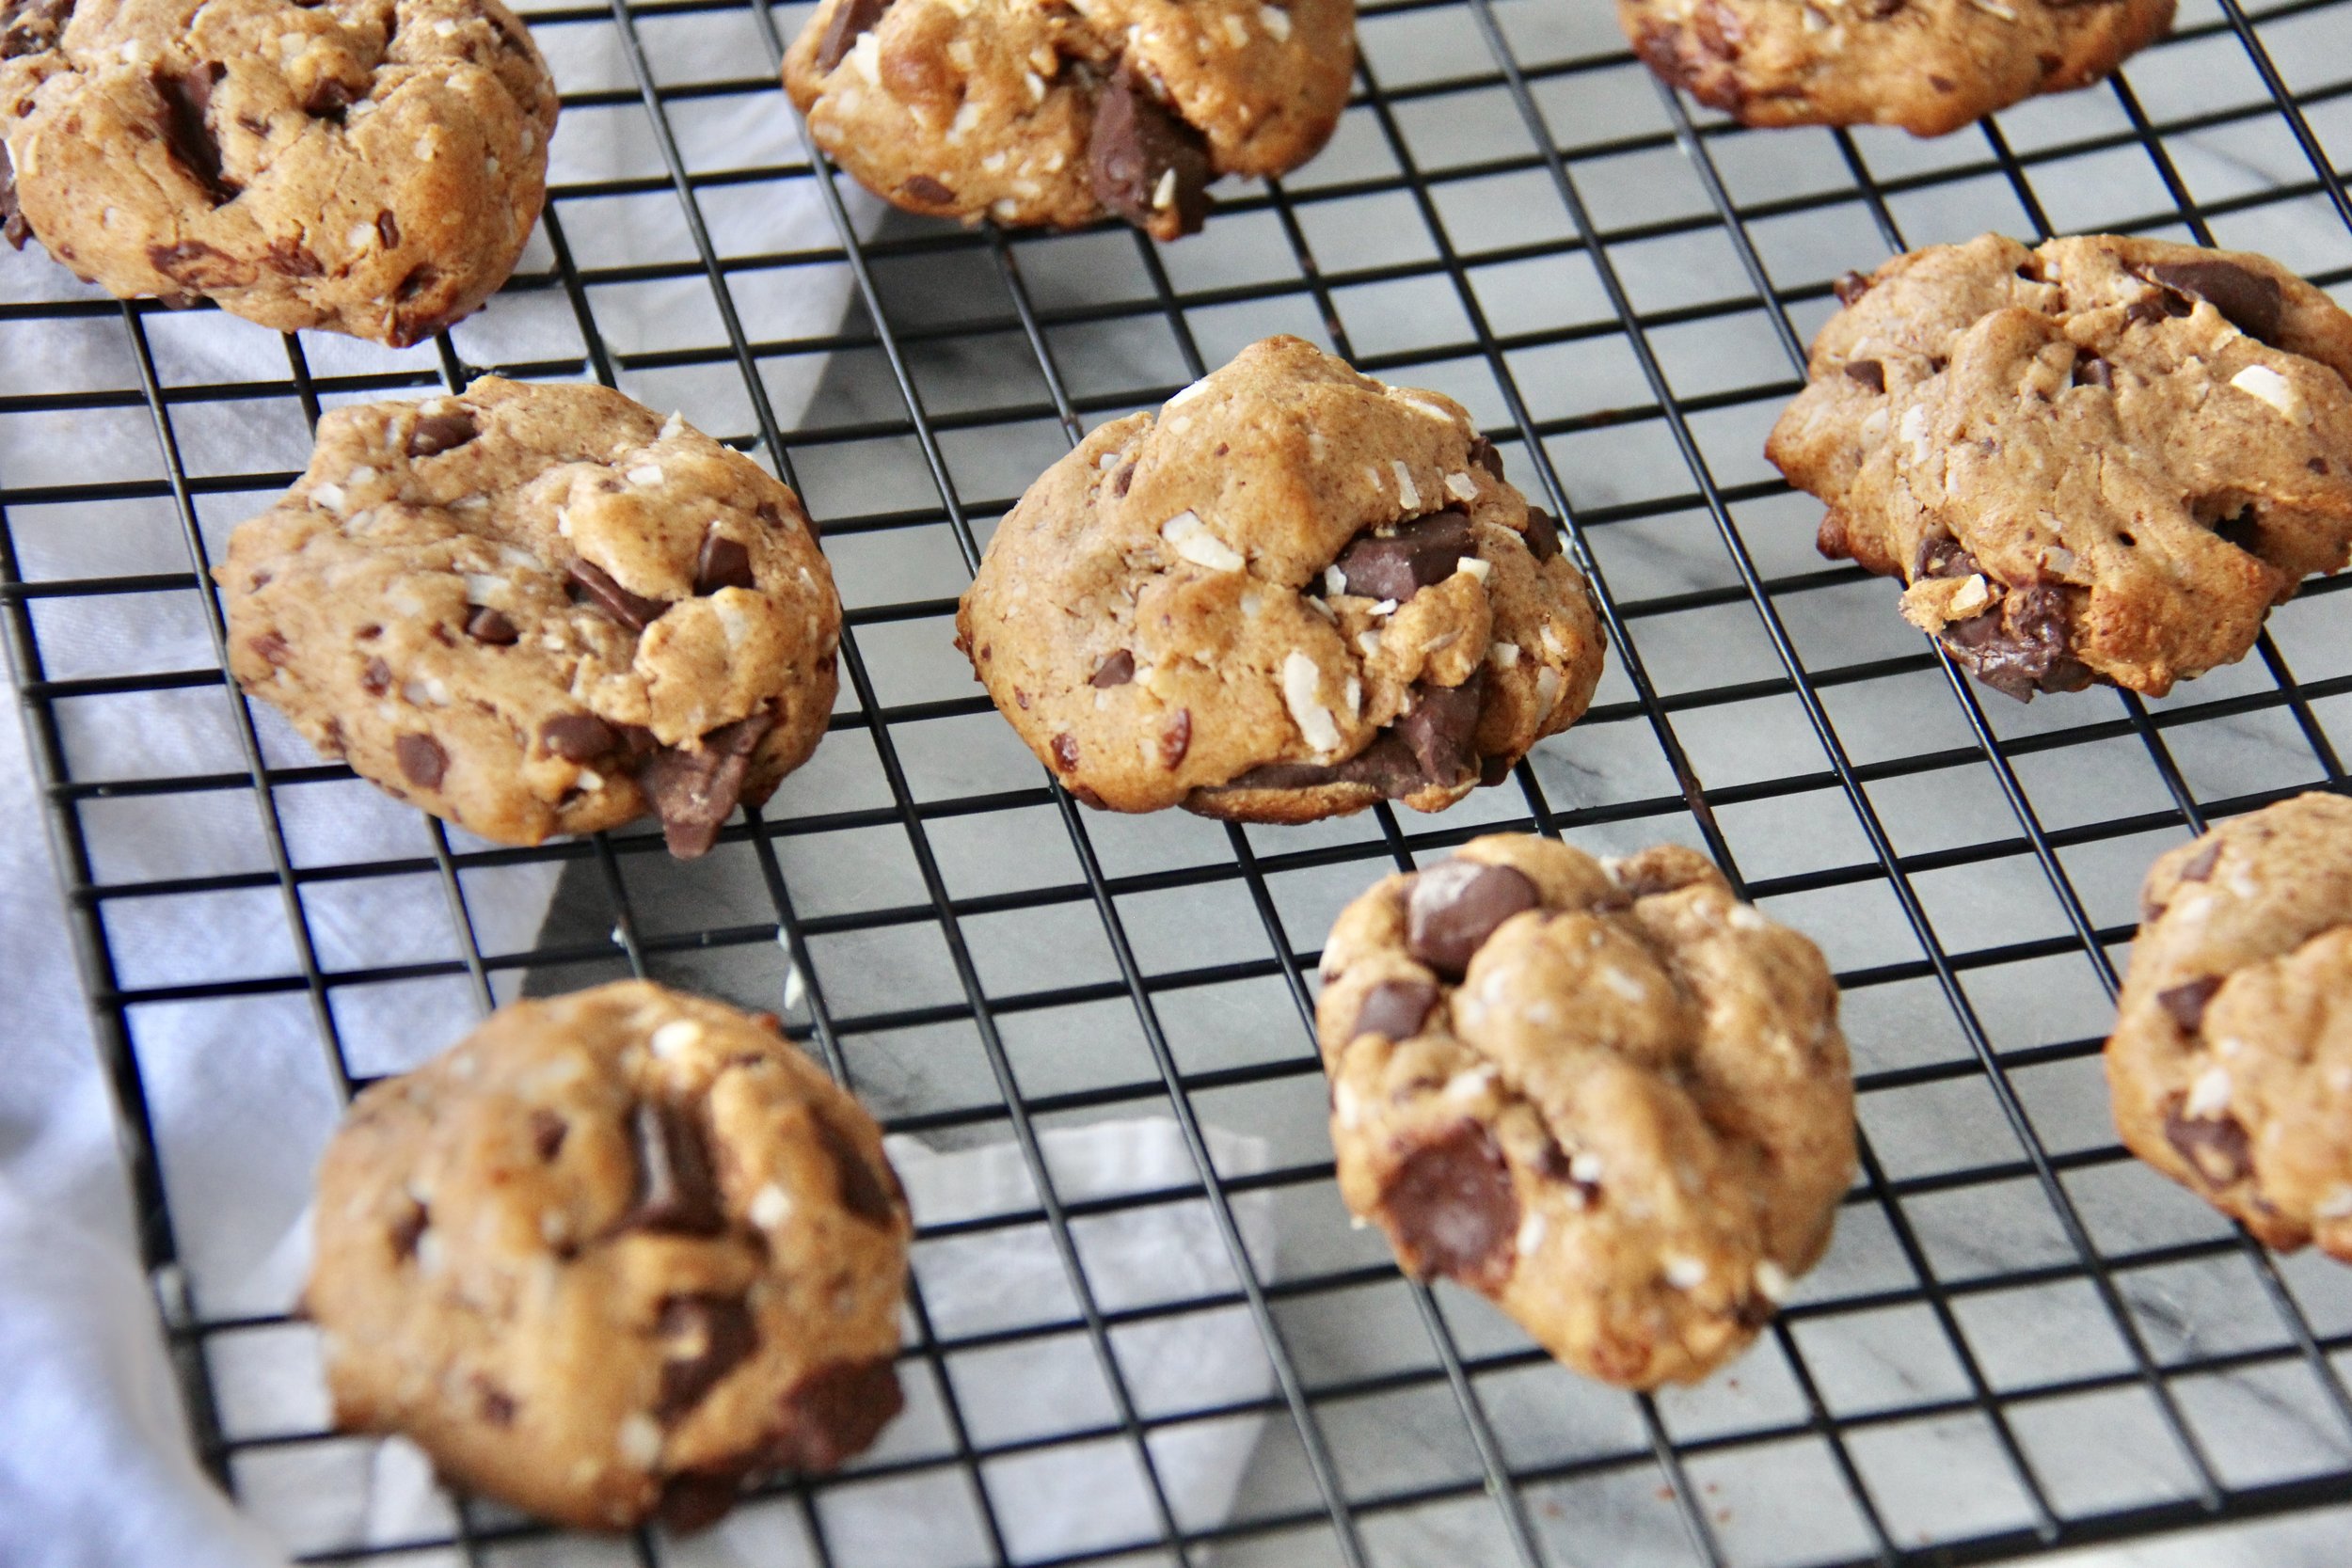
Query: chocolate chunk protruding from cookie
pixel 2200 864
pixel 1401 562
pixel 850 19
pixel 422 761
pixel 492 626
pixel 1455 907
pixel 834 1413
pixel 695 790
pixel 1396 1008
pixel 1850 287
pixel 703 1339
pixel 595 585
pixel 2215 1147
pixel 434 433
pixel 187 128
pixel 2021 646
pixel 1118 670
pixel 861 1191
pixel 2091 371
pixel 675 1189
pixel 696 1500
pixel 724 562
pixel 1144 161
pixel 1483 453
pixel 577 737
pixel 2250 301
pixel 1442 728
pixel 925 190
pixel 1543 533
pixel 2186 1002
pixel 1453 1208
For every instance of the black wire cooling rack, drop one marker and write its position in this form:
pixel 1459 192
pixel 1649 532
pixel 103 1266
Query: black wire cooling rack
pixel 2022 1340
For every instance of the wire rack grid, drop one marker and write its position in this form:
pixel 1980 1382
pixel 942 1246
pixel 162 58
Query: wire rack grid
pixel 2022 1340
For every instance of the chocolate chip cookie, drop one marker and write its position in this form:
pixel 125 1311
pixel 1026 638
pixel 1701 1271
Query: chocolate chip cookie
pixel 1290 592
pixel 1930 66
pixel 2231 1064
pixel 1604 1094
pixel 2104 459
pixel 1046 112
pixel 609 1254
pixel 539 610
pixel 373 168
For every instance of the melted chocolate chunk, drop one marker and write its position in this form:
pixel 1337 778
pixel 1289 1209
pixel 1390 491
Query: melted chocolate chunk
pixel 1430 745
pixel 1543 533
pixel 1408 559
pixel 2250 301
pixel 1118 670
pixel 489 626
pixel 850 19
pixel 434 433
pixel 187 103
pixel 723 564
pixel 834 1413
pixel 1455 907
pixel 861 1192
pixel 1869 373
pixel 2215 1147
pixel 2021 646
pixel 1483 452
pixel 1144 160
pixel 1453 1209
pixel 422 761
pixel 593 583
pixel 577 737
pixel 696 1500
pixel 1396 1008
pixel 2186 1002
pixel 189 262
pixel 675 1189
pixel 703 1339
pixel 695 791
pixel 923 188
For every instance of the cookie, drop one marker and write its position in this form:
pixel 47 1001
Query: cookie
pixel 1604 1094
pixel 1036 112
pixel 609 1254
pixel 2230 1065
pixel 2104 459
pixel 370 168
pixel 1291 592
pixel 1928 66
pixel 539 610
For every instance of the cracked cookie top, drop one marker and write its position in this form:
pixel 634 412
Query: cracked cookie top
pixel 538 610
pixel 1605 1094
pixel 1930 66
pixel 608 1255
pixel 1057 112
pixel 2103 459
pixel 1291 592
pixel 372 167
pixel 2231 1063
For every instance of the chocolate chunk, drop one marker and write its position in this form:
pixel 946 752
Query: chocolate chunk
pixel 376 677
pixel 328 100
pixel 861 1192
pixel 420 279
pixel 1144 160
pixel 2162 304
pixel 696 1500
pixel 293 258
pixel 2021 647
pixel 2186 1002
pixel 1543 533
pixel 1493 771
pixel 1483 452
pixel 434 433
pixel 31 26
pixel 548 1132
pixel 724 562
pixel 695 790
pixel 1118 670
pixel 577 737
pixel 2251 301
pixel 703 1339
pixel 1869 373
pixel 2091 371
pixel 923 188
pixel 850 19
pixel 1396 1008
pixel 1409 558
pixel 191 262
pixel 834 1413
pixel 1455 907
pixel 408 1228
pixel 421 760
pixel 1452 1208
pixel 187 101
pixel 2215 1147
pixel 675 1191
pixel 492 626
pixel 1429 745
pixel 388 230
pixel 496 1404
pixel 1850 287
pixel 595 583
pixel 1065 749
pixel 2200 864
pixel 1176 737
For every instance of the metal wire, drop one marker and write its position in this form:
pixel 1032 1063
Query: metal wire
pixel 1876 1509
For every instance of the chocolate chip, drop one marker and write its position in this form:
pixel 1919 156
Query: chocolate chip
pixel 328 100
pixel 376 677
pixel 834 1413
pixel 2200 864
pixel 861 1192
pixel 850 19
pixel 548 1132
pixel 1176 737
pixel 408 1228
pixel 421 760
pixel 632 611
pixel 925 190
pixel 2215 1147
pixel 696 1500
pixel 2186 1002
pixel 1483 452
pixel 1145 161
pixel 496 1404
pixel 1850 287
pixel 724 562
pixel 675 1191
pixel 1396 1008
pixel 577 737
pixel 1400 563
pixel 2022 647
pixel 1453 1209
pixel 2251 301
pixel 1065 749
pixel 187 101
pixel 695 791
pixel 703 1339
pixel 1118 670
pixel 1455 907
pixel 2091 371
pixel 1543 533
pixel 1869 373
pixel 434 433
pixel 489 626
pixel 388 230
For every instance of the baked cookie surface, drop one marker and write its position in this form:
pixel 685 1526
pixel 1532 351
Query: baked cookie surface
pixel 2103 459
pixel 608 1255
pixel 1604 1094
pixel 537 610
pixel 1291 592
pixel 372 167
pixel 1041 112
pixel 2230 1065
pixel 1928 66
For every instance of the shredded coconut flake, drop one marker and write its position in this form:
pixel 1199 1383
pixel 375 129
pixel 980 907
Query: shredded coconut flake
pixel 1475 567
pixel 1236 31
pixel 1503 655
pixel 1188 393
pixel 1407 491
pixel 1772 1281
pixel 329 496
pixel 2210 1095
pixel 1277 23
pixel 2261 381
pixel 1302 683
pixel 1685 1272
pixel 770 1206
pixel 639 1438
pixel 1189 537
pixel 865 55
pixel 1530 1234
pixel 1164 194
pixel 1546 689
pixel 1584 1167
pixel 1369 640
pixel 1461 487
pixel 650 473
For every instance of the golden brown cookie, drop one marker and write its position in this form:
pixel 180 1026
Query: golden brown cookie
pixel 1605 1094
pixel 2102 459
pixel 539 610
pixel 608 1255
pixel 2231 1064
pixel 1291 592
pixel 1057 112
